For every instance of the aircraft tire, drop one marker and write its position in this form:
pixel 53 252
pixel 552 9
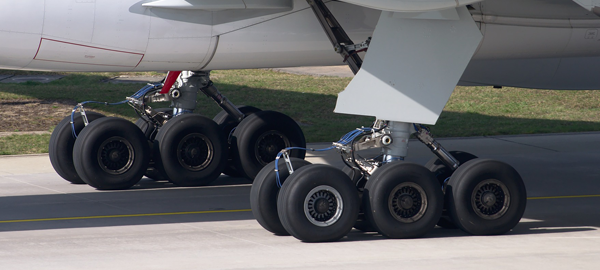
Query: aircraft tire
pixel 264 193
pixel 111 153
pixel 227 125
pixel 192 149
pixel 259 138
pixel 318 203
pixel 487 197
pixel 153 172
pixel 441 172
pixel 61 145
pixel 362 224
pixel 403 200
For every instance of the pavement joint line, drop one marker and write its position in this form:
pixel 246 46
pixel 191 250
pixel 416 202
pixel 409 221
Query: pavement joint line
pixel 564 197
pixel 125 216
pixel 227 211
pixel 524 144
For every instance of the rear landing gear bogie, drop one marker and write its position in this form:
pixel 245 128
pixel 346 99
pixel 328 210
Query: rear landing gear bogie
pixel 172 143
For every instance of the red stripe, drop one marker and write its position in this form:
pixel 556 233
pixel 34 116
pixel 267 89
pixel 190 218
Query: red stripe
pixel 70 43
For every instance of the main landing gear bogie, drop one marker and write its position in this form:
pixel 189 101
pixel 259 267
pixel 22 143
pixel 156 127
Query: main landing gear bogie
pixel 397 199
pixel 172 144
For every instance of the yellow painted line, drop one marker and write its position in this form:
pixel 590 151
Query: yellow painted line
pixel 223 211
pixel 564 197
pixel 125 216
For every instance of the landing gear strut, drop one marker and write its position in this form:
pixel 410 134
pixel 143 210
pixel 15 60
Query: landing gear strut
pixel 174 144
pixel 399 199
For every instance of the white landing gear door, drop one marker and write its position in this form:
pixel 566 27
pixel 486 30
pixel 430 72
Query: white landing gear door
pixel 413 65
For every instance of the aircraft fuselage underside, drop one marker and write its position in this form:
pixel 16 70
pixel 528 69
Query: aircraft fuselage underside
pixel 554 38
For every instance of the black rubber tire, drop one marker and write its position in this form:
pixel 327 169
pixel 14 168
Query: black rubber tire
pixel 227 124
pixel 61 145
pixel 332 186
pixel 260 136
pixel 153 172
pixel 486 176
pixel 179 141
pixel 403 182
pixel 91 154
pixel 442 172
pixel 362 223
pixel 264 193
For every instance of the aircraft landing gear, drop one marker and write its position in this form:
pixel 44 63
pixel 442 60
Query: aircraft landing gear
pixel 111 153
pixel 173 144
pixel 399 199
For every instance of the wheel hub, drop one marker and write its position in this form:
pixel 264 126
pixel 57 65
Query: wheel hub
pixel 269 144
pixel 407 202
pixel 490 199
pixel 115 155
pixel 195 152
pixel 323 206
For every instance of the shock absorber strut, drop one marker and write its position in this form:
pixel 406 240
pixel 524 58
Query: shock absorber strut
pixel 184 97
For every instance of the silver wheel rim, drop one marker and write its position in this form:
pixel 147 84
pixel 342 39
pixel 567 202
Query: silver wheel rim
pixel 115 155
pixel 407 202
pixel 323 206
pixel 195 152
pixel 268 145
pixel 490 199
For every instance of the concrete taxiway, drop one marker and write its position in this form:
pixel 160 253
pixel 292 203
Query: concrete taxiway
pixel 47 223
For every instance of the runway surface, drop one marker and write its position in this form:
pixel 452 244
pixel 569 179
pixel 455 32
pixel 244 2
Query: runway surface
pixel 47 223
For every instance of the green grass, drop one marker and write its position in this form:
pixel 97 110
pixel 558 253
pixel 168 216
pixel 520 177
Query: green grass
pixel 24 144
pixel 471 111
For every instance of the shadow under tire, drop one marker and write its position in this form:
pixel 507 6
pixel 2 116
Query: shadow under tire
pixel 441 172
pixel 260 136
pixel 318 203
pixel 487 197
pixel 227 124
pixel 403 200
pixel 264 193
pixel 61 145
pixel 111 153
pixel 192 150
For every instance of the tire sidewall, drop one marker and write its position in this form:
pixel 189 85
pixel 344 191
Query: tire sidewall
pixel 293 194
pixel 168 139
pixel 61 145
pixel 249 131
pixel 377 193
pixel 264 194
pixel 462 185
pixel 88 144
